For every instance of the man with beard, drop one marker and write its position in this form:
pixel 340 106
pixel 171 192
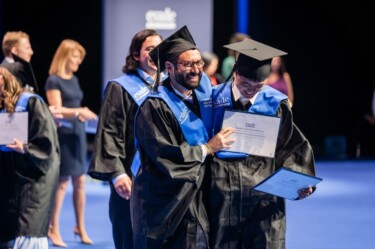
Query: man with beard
pixel 239 216
pixel 172 136
pixel 114 149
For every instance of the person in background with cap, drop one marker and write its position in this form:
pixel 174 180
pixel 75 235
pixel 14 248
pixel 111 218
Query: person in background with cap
pixel 172 136
pixel 64 93
pixel 239 216
pixel 114 148
pixel 28 171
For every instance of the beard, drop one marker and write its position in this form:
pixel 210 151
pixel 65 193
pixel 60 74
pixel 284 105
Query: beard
pixel 187 81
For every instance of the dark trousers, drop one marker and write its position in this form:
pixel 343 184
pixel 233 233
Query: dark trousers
pixel 119 214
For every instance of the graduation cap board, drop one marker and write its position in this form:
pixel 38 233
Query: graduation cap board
pixel 171 48
pixel 254 58
pixel 23 71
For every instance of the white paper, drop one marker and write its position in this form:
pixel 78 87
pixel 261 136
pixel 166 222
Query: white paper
pixel 286 183
pixel 255 134
pixel 13 125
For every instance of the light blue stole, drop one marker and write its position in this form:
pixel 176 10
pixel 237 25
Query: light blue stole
pixel 196 130
pixel 134 85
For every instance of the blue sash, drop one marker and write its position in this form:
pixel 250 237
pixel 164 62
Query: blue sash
pixel 195 130
pixel 138 90
pixel 266 103
pixel 21 106
pixel 134 85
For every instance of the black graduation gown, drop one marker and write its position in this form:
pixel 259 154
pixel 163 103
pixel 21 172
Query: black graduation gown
pixel 114 142
pixel 113 155
pixel 245 218
pixel 166 200
pixel 28 181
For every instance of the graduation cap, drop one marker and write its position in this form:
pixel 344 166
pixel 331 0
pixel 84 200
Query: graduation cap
pixel 171 48
pixel 254 58
pixel 23 71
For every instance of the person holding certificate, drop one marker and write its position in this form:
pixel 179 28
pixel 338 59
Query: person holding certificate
pixel 29 166
pixel 172 128
pixel 239 216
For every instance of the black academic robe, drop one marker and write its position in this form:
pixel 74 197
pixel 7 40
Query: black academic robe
pixel 113 154
pixel 23 72
pixel 28 181
pixel 114 142
pixel 245 218
pixel 166 200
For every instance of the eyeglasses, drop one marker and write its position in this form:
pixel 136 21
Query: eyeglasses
pixel 190 64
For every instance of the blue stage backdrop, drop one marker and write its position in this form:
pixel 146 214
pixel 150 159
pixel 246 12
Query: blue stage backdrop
pixel 122 19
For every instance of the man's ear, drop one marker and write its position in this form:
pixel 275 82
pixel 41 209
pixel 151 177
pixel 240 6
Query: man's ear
pixel 14 50
pixel 135 55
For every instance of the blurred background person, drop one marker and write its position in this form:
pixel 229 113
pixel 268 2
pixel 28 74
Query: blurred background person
pixel 28 171
pixel 211 64
pixel 17 59
pixel 18 43
pixel 64 93
pixel 17 56
pixel 228 62
pixel 280 79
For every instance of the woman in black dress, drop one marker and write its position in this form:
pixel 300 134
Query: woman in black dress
pixel 64 93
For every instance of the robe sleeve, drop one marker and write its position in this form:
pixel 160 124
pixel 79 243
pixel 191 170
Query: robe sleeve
pixel 163 144
pixel 293 149
pixel 42 141
pixel 109 154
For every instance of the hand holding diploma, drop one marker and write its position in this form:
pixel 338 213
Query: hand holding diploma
pixel 14 125
pixel 304 192
pixel 17 146
pixel 221 140
pixel 288 184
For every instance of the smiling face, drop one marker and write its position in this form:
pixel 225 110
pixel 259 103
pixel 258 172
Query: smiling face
pixel 74 61
pixel 144 59
pixel 248 88
pixel 186 76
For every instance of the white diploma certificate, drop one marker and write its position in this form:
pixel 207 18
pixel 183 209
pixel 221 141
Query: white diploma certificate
pixel 13 125
pixel 255 134
pixel 285 183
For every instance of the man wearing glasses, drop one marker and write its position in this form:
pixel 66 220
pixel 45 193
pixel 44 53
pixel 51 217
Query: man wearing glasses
pixel 172 135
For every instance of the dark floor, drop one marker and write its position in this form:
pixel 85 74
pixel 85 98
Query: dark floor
pixel 340 215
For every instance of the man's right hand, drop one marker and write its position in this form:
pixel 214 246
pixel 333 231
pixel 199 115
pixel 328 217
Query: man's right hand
pixel 123 187
pixel 221 140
